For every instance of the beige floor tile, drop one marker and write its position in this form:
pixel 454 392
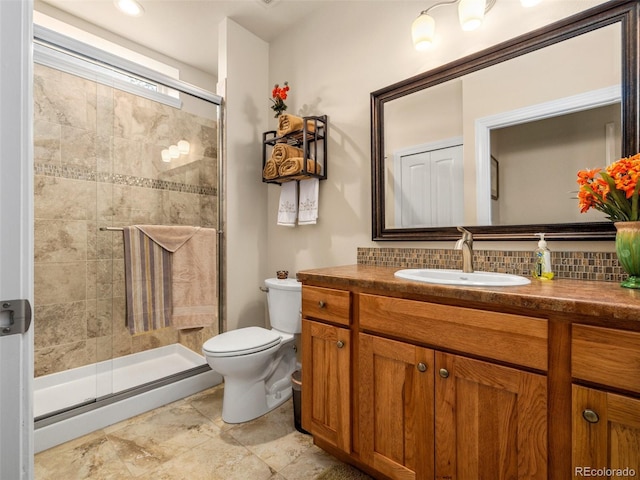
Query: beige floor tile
pixel 273 437
pixel 209 403
pixel 188 440
pixel 91 457
pixel 309 465
pixel 220 458
pixel 161 437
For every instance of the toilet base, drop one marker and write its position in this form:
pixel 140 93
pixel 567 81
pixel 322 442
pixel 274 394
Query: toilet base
pixel 241 404
pixel 244 401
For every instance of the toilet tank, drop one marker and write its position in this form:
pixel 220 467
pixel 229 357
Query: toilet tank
pixel 284 299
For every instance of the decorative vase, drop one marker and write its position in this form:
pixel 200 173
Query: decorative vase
pixel 628 251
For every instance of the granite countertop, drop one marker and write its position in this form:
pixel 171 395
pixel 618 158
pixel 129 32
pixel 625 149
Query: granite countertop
pixel 599 303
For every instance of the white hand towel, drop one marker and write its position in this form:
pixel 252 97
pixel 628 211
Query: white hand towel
pixel 308 208
pixel 288 206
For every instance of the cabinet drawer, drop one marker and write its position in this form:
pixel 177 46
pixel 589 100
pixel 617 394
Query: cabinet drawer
pixel 326 304
pixel 501 336
pixel 606 356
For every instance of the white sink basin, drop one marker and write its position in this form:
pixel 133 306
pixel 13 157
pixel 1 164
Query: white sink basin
pixel 457 277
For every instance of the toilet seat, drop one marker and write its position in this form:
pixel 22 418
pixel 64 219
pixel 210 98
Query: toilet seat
pixel 242 341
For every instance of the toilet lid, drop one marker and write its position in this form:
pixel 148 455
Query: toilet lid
pixel 242 341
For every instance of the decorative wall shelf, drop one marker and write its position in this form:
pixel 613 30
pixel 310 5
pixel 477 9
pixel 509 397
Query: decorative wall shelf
pixel 311 140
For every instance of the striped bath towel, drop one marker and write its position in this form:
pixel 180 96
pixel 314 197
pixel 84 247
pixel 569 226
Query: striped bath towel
pixel 193 272
pixel 148 282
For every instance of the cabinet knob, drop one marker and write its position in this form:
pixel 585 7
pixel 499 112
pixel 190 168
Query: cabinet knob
pixel 321 304
pixel 422 367
pixel 340 344
pixel 590 416
pixel 444 373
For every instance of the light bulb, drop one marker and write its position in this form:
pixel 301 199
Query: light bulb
pixel 471 13
pixel 174 151
pixel 166 155
pixel 183 147
pixel 423 31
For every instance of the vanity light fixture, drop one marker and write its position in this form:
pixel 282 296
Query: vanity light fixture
pixel 174 151
pixel 129 7
pixel 183 147
pixel 470 14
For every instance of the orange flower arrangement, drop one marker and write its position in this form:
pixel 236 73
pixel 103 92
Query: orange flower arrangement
pixel 614 192
pixel 278 95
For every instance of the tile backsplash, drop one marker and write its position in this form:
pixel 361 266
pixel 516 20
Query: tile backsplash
pixel 602 266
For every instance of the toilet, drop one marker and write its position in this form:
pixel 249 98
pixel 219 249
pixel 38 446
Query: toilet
pixel 256 362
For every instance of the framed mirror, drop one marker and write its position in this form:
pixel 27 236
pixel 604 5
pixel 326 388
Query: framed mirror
pixel 493 141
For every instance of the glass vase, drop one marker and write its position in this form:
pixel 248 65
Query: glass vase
pixel 628 251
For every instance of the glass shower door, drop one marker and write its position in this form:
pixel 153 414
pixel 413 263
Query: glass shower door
pixel 101 164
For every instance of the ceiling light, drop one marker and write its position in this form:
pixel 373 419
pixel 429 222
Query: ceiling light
pixel 129 7
pixel 529 3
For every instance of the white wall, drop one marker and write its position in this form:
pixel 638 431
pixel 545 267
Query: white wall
pixel 242 71
pixel 333 60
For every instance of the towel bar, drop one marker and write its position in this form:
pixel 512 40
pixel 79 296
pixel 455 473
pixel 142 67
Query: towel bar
pixel 120 229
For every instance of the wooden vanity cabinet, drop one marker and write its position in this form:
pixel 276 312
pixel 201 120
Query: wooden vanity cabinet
pixel 605 422
pixel 396 407
pixel 326 360
pixel 423 391
pixel 425 413
pixel 491 421
pixel 606 433
pixel 447 384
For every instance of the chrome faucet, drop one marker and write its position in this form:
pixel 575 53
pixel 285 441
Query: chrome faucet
pixel 466 245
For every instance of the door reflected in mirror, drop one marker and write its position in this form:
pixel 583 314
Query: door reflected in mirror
pixel 546 114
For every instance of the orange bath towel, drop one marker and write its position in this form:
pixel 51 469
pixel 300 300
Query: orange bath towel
pixel 291 123
pixel 282 151
pixel 292 166
pixel 270 169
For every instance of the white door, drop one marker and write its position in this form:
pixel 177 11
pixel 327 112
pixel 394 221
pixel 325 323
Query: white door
pixel 430 189
pixel 16 239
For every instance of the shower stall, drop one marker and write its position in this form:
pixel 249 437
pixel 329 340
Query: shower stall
pixel 115 144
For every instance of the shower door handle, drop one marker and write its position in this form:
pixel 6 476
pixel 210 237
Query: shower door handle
pixel 15 316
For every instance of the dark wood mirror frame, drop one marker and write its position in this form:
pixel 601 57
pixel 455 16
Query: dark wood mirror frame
pixel 624 12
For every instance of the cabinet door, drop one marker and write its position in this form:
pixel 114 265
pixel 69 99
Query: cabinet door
pixel 606 434
pixel 491 421
pixel 326 390
pixel 396 407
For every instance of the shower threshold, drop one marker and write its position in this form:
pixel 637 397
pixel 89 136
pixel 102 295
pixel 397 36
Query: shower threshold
pixel 73 388
pixel 144 381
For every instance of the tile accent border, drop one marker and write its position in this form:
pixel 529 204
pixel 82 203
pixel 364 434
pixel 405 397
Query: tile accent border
pixel 600 266
pixel 78 173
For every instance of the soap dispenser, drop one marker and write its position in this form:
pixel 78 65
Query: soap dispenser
pixel 542 269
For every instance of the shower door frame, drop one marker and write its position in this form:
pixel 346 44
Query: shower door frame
pixel 75 47
pixel 16 240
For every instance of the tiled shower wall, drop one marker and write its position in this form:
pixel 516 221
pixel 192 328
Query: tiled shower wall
pixel 98 163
